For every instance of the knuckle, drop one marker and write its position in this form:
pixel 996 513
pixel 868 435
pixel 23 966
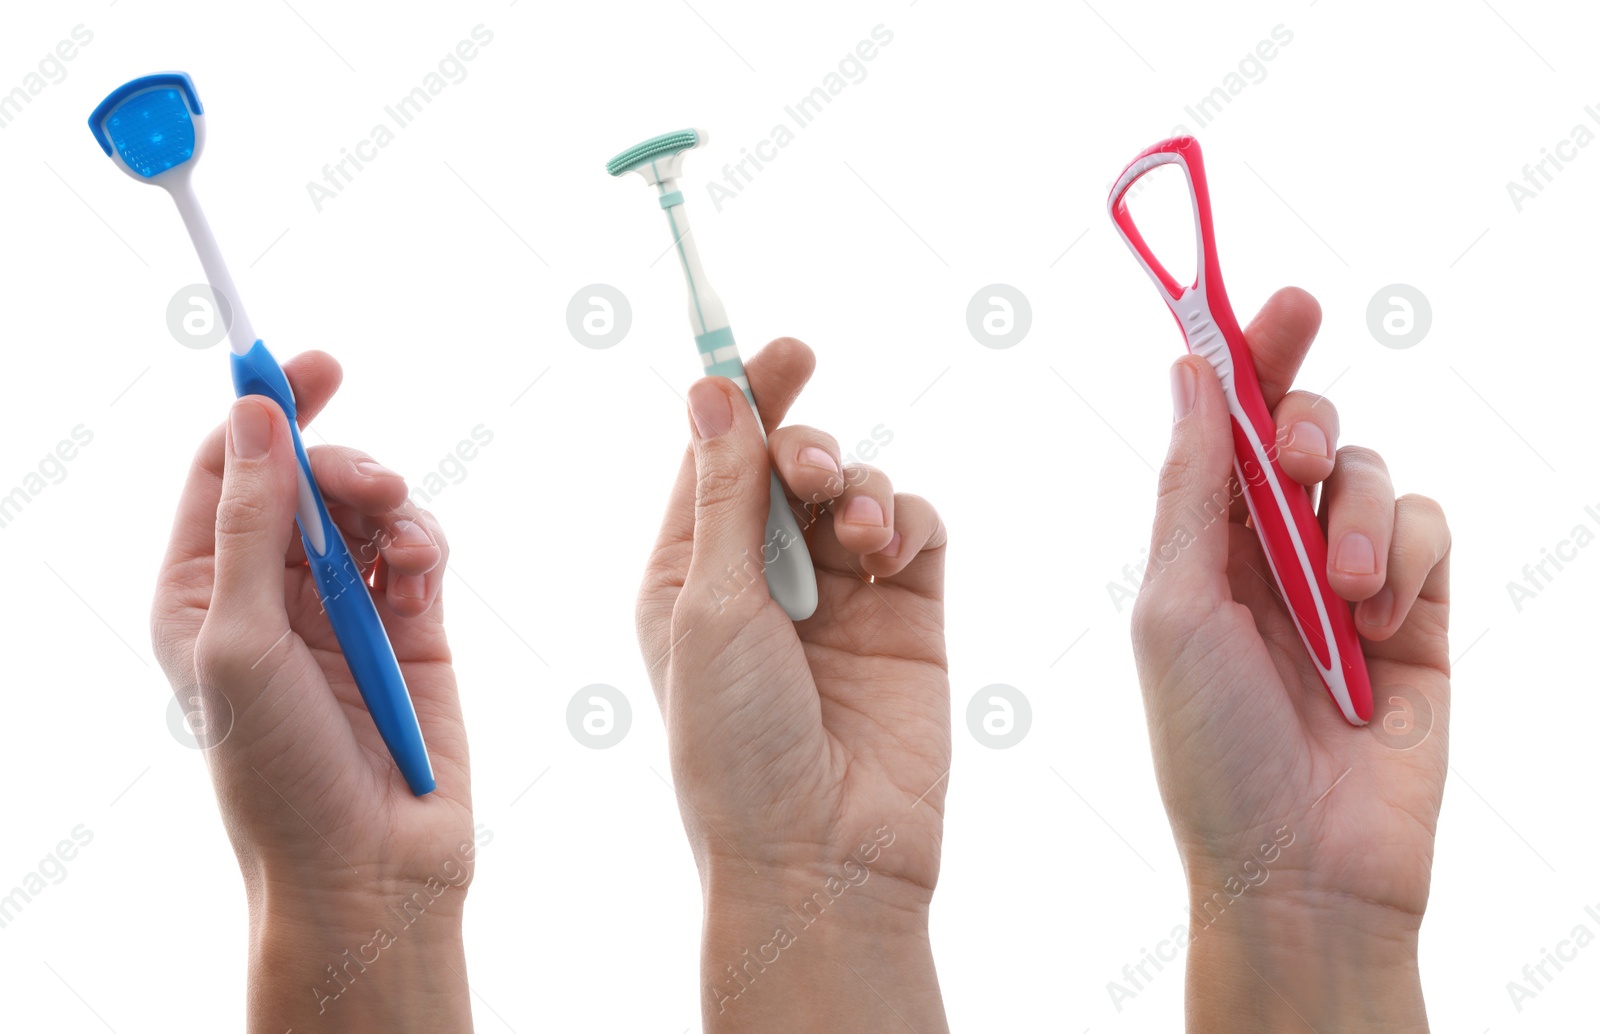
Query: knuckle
pixel 435 529
pixel 821 439
pixel 716 487
pixel 911 507
pixel 171 644
pixel 1156 617
pixel 217 655
pixel 695 611
pixel 1427 511
pixel 1177 474
pixel 1320 410
pixel 1363 459
pixel 860 475
pixel 239 514
pixel 1425 506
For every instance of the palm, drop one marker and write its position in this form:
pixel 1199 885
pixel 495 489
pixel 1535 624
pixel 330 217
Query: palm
pixel 829 727
pixel 326 766
pixel 365 795
pixel 1340 790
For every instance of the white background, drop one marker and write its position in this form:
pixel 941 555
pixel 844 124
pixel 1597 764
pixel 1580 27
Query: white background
pixel 1376 150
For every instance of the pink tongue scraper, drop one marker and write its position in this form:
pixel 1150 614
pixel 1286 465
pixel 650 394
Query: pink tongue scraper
pixel 1280 509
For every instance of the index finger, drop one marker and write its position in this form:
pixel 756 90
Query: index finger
pixel 1279 338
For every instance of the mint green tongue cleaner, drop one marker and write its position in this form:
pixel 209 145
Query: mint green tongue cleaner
pixel 790 578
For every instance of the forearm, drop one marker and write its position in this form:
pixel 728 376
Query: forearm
pixel 1283 963
pixel 378 966
pixel 813 955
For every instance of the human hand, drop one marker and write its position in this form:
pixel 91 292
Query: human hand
pixel 1308 843
pixel 339 859
pixel 809 757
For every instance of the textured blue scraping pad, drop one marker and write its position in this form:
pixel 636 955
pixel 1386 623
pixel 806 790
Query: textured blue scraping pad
pixel 152 131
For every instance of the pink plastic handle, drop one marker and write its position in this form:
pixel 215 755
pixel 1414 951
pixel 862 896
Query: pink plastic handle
pixel 1291 537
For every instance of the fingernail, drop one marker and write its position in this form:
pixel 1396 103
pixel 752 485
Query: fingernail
pixel 709 409
pixel 1379 609
pixel 374 469
pixel 1308 438
pixel 251 430
pixel 892 550
pixel 410 586
pixel 863 509
pixel 1355 555
pixel 812 456
pixel 409 534
pixel 1183 389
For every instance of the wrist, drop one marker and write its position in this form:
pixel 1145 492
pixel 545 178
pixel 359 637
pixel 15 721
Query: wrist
pixel 389 958
pixel 1277 957
pixel 839 945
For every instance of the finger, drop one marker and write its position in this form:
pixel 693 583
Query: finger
pixel 1421 542
pixel 415 555
pixel 1308 432
pixel 400 545
pixel 863 514
pixel 253 524
pixel 396 537
pixel 1358 513
pixel 355 479
pixel 776 374
pixel 314 376
pixel 909 558
pixel 732 497
pixel 1279 337
pixel 403 554
pixel 807 461
pixel 1186 576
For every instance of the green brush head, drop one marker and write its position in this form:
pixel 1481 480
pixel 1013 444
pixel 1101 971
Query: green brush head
pixel 665 145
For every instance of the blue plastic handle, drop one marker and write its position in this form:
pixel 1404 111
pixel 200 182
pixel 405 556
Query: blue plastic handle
pixel 345 596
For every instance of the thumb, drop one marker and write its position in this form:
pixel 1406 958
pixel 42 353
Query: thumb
pixel 255 521
pixel 1188 562
pixel 731 500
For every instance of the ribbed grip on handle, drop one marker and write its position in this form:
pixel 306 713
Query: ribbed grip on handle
pixel 1280 509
